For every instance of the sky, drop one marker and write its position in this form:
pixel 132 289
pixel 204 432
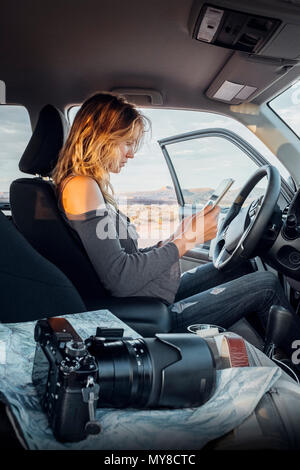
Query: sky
pixel 15 132
pixel 201 162
pixel 287 105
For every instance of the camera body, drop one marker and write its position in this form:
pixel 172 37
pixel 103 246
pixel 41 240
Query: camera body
pixel 73 378
pixel 65 376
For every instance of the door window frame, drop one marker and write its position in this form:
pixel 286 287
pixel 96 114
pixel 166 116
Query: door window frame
pixel 232 137
pixel 200 253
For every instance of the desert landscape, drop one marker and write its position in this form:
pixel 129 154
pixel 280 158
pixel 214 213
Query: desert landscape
pixel 155 213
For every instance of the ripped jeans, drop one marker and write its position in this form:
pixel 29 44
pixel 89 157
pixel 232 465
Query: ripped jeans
pixel 206 295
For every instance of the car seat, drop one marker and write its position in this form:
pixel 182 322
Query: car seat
pixel 31 286
pixel 36 215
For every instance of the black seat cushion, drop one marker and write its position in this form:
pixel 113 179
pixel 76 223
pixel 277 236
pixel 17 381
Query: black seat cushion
pixel 31 286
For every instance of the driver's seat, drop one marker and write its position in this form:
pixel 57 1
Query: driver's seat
pixel 36 215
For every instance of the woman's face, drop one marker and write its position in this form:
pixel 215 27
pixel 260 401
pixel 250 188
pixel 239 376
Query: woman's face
pixel 125 151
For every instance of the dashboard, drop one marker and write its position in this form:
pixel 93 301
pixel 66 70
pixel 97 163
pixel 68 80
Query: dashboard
pixel 283 238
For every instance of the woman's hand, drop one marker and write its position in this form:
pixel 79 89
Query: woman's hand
pixel 195 229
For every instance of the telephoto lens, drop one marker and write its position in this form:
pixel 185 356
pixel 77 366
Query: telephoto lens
pixel 171 370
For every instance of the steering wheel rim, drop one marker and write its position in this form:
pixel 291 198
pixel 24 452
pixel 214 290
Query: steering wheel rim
pixel 249 223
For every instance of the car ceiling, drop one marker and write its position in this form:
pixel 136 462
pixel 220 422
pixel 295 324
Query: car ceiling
pixel 60 51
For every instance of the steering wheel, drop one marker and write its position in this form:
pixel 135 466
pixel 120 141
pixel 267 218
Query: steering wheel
pixel 242 228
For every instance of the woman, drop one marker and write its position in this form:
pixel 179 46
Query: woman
pixel 105 134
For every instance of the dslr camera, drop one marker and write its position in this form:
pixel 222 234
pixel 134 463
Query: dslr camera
pixel 73 377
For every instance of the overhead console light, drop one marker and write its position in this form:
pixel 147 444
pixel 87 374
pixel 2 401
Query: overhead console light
pixel 210 24
pixel 232 29
pixel 229 90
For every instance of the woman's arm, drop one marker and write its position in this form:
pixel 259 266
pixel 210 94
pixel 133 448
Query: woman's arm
pixel 149 248
pixel 81 194
pixel 195 229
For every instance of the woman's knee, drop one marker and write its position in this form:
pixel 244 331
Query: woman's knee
pixel 266 286
pixel 264 279
pixel 269 286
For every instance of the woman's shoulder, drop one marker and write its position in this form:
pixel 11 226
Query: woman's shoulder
pixel 81 194
pixel 79 182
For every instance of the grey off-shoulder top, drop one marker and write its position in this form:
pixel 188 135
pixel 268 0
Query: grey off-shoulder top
pixel 110 241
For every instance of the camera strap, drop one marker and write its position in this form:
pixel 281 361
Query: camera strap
pixel 90 395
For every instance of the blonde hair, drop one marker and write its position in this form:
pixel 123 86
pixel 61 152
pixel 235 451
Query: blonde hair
pixel 91 149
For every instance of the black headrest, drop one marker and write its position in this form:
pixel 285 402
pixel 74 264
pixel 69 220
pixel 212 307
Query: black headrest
pixel 41 153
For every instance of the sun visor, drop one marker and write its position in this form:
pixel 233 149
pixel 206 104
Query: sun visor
pixel 245 76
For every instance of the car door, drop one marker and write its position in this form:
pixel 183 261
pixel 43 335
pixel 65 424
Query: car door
pixel 198 161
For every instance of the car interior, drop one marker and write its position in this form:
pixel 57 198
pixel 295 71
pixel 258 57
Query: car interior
pixel 222 57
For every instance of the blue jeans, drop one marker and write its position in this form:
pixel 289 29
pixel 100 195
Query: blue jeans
pixel 206 295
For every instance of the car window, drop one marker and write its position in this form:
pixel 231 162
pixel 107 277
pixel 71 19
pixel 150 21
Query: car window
pixel 15 132
pixel 287 106
pixel 202 163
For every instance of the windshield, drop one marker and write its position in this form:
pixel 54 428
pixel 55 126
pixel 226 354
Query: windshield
pixel 287 106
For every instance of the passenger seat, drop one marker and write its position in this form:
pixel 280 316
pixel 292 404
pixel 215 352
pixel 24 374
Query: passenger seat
pixel 31 286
